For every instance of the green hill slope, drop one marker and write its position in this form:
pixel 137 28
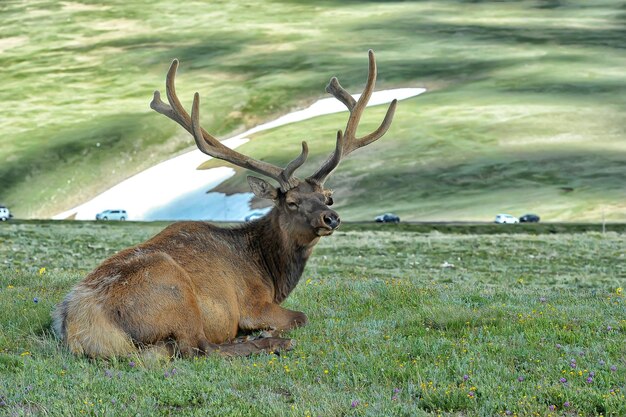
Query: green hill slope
pixel 525 109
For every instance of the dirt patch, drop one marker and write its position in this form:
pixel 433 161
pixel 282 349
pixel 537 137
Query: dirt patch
pixel 81 7
pixel 12 42
pixel 125 25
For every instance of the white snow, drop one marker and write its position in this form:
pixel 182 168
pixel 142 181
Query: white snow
pixel 177 190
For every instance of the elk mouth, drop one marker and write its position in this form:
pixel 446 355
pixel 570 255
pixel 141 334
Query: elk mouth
pixel 324 231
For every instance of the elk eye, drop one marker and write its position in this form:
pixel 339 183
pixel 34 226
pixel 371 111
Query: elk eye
pixel 292 205
pixel 330 201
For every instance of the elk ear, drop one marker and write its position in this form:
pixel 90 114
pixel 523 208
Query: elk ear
pixel 262 188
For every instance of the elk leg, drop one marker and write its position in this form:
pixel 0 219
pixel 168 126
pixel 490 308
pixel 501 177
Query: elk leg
pixel 156 302
pixel 249 347
pixel 274 317
pixel 194 345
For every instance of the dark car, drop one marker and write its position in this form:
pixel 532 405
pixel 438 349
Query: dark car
pixel 529 218
pixel 387 218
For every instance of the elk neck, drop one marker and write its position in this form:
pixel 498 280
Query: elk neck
pixel 282 254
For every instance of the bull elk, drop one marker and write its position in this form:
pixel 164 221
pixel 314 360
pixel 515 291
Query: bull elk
pixel 194 287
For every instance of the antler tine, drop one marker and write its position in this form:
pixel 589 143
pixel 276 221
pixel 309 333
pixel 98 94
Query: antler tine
pixel 296 163
pixel 357 111
pixel 211 146
pixel 331 162
pixel 174 110
pixel 340 93
pixel 348 142
pixel 381 130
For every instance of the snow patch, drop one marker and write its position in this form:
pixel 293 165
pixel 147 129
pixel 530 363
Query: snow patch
pixel 177 190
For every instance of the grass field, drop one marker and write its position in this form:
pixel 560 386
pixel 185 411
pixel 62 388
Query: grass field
pixel 401 323
pixel 525 108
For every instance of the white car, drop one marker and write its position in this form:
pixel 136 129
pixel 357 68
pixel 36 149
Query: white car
pixel 5 214
pixel 506 219
pixel 112 215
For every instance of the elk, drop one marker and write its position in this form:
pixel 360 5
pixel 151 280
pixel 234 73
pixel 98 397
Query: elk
pixel 194 287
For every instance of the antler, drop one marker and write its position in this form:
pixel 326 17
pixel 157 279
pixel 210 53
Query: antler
pixel 213 147
pixel 347 141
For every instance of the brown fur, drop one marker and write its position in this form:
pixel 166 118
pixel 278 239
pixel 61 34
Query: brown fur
pixel 197 284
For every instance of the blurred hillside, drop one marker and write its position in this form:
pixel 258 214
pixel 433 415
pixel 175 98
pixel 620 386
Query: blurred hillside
pixel 525 109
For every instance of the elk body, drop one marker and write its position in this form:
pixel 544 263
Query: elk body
pixel 193 287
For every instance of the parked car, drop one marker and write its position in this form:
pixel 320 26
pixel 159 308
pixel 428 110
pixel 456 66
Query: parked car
pixel 529 218
pixel 112 215
pixel 5 213
pixel 506 219
pixel 254 215
pixel 387 218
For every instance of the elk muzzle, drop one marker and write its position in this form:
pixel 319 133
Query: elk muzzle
pixel 331 220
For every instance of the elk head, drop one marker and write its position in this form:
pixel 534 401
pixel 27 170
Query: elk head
pixel 303 205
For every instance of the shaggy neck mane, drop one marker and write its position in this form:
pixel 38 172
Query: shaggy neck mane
pixel 279 254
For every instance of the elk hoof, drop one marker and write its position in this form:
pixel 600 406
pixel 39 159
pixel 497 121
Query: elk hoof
pixel 300 319
pixel 268 333
pixel 284 345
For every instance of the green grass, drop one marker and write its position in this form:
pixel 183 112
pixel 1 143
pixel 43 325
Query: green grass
pixel 525 98
pixel 397 318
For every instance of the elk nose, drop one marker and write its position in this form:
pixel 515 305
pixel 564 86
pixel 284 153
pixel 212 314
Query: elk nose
pixel 331 219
